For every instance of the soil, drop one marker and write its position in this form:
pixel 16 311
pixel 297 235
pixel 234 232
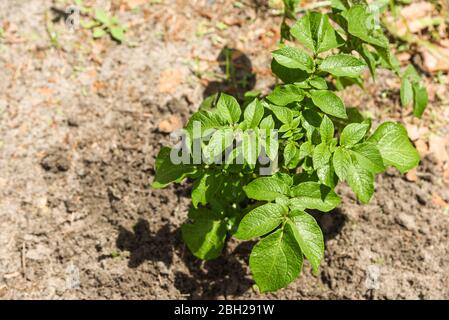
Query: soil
pixel 79 134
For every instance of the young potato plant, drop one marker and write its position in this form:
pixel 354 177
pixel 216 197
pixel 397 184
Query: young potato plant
pixel 261 168
pixel 103 24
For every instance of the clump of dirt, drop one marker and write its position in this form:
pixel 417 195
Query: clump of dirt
pixel 56 161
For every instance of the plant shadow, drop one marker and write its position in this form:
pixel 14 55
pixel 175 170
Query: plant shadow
pixel 217 278
pixel 143 245
pixel 331 223
pixel 210 279
pixel 238 75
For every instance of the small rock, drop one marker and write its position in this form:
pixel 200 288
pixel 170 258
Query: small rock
pixel 372 280
pixel 426 177
pixel 114 192
pixel 421 196
pixel 70 206
pixel 437 146
pixel 56 161
pixel 411 175
pixel 391 172
pixel 422 147
pixel 424 230
pixel 73 122
pixel 162 268
pixel 406 221
pixel 438 201
pixel 170 124
pixel 445 194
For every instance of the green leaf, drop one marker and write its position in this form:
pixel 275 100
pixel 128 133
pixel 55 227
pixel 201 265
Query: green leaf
pixel 291 155
pixel 420 100
pixel 368 156
pixel 369 58
pixel 276 260
pixel 395 147
pixel 288 75
pixel 167 172
pixel 305 150
pixel 271 146
pixel 342 161
pixel 208 103
pixel 387 58
pixel 251 147
pixel 315 32
pixel 205 237
pixel 266 188
pixel 118 33
pixel 359 169
pixel 253 114
pixel 326 175
pixel 343 82
pixel 359 20
pixel 411 74
pixel 260 221
pixel 353 133
pixel 283 95
pixel 318 83
pixel 343 65
pixel 98 32
pixel 205 188
pixel 321 155
pixel 361 182
pixel 88 24
pixel 267 123
pixel 290 7
pixel 313 195
pixel 406 92
pixel 326 129
pixel 293 58
pixel 284 177
pixel 329 103
pixel 220 140
pixel 208 120
pixel 199 190
pixel 102 17
pixel 340 4
pixel 308 234
pixel 228 108
pixel 284 114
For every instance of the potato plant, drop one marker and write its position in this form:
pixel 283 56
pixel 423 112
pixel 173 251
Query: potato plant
pixel 261 167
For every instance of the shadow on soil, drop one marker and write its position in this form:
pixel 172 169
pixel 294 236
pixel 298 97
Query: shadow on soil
pixel 331 223
pixel 144 246
pixel 205 279
pixel 238 76
pixel 220 277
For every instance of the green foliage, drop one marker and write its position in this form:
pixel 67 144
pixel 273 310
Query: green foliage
pixel 103 24
pixel 412 91
pixel 319 143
